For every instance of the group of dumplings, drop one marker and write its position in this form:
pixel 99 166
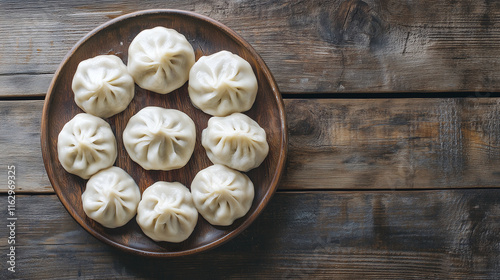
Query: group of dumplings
pixel 162 60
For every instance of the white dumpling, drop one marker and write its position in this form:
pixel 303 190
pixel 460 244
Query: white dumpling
pixel 102 86
pixel 111 197
pixel 160 139
pixel 159 59
pixel 236 141
pixel 166 212
pixel 85 145
pixel 222 194
pixel 222 83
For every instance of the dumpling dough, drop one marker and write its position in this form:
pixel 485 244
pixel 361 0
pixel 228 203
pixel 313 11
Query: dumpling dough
pixel 159 59
pixel 160 139
pixel 222 194
pixel 102 86
pixel 111 197
pixel 236 141
pixel 85 145
pixel 222 83
pixel 166 212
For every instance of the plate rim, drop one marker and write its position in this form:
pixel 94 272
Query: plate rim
pixel 283 151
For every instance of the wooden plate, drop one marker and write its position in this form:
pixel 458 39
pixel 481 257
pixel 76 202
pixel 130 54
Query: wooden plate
pixel 207 36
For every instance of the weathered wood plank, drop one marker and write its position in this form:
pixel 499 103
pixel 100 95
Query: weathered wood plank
pixel 310 46
pixel 393 143
pixel 20 145
pixel 24 85
pixel 341 143
pixel 327 235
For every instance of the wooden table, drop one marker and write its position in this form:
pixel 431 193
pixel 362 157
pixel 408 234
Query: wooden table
pixel 394 142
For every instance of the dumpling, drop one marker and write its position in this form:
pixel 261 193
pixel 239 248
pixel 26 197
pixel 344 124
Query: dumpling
pixel 222 83
pixel 160 139
pixel 166 212
pixel 102 86
pixel 85 145
pixel 159 59
pixel 236 141
pixel 222 194
pixel 111 197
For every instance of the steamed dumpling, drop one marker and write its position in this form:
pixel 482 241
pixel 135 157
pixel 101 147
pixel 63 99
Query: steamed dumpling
pixel 111 197
pixel 160 139
pixel 102 86
pixel 85 145
pixel 159 59
pixel 236 141
pixel 222 194
pixel 166 212
pixel 222 83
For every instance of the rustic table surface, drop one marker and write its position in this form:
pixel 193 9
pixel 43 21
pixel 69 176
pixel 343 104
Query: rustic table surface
pixel 393 168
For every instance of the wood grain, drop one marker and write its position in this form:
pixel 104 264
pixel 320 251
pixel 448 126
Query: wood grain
pixel 393 143
pixel 310 46
pixel 310 230
pixel 341 143
pixel 20 145
pixel 450 234
pixel 24 85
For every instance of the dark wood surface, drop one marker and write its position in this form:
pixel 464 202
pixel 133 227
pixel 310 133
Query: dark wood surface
pixel 393 169
pixel 310 46
pixel 448 234
pixel 416 143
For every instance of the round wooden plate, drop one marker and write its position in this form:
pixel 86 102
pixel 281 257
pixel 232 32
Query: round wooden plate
pixel 207 36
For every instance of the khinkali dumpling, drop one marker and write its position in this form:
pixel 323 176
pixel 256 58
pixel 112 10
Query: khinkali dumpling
pixel 102 86
pixel 159 59
pixel 166 212
pixel 222 194
pixel 160 139
pixel 85 145
pixel 236 141
pixel 222 83
pixel 111 197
